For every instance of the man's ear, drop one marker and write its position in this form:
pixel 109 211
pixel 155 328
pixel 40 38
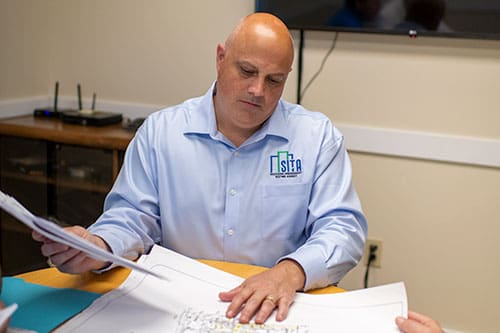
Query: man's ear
pixel 221 50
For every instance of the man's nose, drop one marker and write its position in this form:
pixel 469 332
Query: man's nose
pixel 257 87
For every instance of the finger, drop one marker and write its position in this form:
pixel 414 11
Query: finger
pixel 252 305
pixel 266 308
pixel 238 302
pixel 408 325
pixel 433 325
pixel 76 264
pixel 227 296
pixel 283 308
pixel 60 258
pixel 38 236
pixel 419 317
pixel 52 248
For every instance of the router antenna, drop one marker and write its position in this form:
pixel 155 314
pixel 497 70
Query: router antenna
pixel 79 90
pixel 56 93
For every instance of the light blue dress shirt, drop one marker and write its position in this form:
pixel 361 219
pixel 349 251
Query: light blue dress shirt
pixel 284 193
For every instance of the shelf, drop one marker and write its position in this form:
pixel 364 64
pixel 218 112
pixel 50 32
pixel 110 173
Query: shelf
pixel 54 130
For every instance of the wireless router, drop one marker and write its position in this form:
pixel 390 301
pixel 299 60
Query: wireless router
pixel 50 111
pixel 90 117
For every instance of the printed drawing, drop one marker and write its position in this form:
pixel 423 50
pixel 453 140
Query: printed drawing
pixel 191 320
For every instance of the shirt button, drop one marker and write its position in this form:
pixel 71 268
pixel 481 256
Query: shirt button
pixel 236 153
pixel 230 232
pixel 232 192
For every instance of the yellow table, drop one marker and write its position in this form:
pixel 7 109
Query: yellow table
pixel 102 283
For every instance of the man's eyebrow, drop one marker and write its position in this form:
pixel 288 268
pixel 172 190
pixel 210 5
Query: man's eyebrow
pixel 253 67
pixel 246 63
pixel 277 75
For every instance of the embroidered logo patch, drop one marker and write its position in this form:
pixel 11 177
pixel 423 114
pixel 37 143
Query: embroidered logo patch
pixel 284 165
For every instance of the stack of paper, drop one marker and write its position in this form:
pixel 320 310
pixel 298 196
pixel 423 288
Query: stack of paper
pixel 189 303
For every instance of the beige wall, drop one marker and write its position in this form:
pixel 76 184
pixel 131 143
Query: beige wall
pixel 439 224
pixel 430 84
pixel 438 221
pixel 23 49
pixel 155 52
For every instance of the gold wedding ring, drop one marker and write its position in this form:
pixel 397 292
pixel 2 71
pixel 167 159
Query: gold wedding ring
pixel 49 262
pixel 270 298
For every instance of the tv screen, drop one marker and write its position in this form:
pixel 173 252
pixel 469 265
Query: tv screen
pixel 448 18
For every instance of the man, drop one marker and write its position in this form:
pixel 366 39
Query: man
pixel 237 175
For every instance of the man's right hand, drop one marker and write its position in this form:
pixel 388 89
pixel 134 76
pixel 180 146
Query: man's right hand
pixel 68 259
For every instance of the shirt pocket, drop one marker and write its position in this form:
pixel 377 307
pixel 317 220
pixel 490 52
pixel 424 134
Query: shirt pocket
pixel 284 211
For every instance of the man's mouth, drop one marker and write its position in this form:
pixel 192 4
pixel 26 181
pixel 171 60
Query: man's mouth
pixel 252 104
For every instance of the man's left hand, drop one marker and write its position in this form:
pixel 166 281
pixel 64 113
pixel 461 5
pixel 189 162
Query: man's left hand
pixel 261 294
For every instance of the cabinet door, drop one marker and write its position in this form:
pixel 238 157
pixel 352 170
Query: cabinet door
pixel 63 183
pixel 23 175
pixel 83 176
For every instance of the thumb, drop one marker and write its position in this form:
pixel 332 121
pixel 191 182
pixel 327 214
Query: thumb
pixel 406 325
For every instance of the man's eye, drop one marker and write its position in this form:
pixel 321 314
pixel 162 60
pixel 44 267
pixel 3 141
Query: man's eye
pixel 274 81
pixel 247 72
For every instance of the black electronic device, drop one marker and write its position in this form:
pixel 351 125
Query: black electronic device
pixel 90 117
pixel 94 118
pixel 50 111
pixel 435 18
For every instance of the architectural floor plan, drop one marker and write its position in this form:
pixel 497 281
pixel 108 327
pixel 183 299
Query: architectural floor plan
pixel 188 302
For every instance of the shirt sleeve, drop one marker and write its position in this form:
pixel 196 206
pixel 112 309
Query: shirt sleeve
pixel 130 222
pixel 336 225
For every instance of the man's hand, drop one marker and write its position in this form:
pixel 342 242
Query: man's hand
pixel 260 294
pixel 67 259
pixel 418 323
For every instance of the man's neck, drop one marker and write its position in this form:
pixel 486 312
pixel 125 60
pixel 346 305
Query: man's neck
pixel 234 134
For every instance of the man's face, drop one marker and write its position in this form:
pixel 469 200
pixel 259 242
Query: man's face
pixel 250 80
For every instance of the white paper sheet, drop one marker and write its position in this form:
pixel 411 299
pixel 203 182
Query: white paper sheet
pixel 6 313
pixel 189 303
pixel 56 233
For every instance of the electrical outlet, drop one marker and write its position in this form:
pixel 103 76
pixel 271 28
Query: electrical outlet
pixel 378 252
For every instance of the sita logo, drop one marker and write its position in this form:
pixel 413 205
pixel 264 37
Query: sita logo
pixel 283 165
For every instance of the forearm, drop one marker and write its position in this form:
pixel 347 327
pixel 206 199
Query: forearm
pixel 331 251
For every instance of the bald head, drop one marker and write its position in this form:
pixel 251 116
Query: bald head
pixel 262 30
pixel 252 68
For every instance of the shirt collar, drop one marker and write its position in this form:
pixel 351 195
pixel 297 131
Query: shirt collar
pixel 201 118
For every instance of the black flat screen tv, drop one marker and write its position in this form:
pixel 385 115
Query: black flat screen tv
pixel 446 18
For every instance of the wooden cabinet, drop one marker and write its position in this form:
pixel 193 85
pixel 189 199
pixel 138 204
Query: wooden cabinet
pixel 59 171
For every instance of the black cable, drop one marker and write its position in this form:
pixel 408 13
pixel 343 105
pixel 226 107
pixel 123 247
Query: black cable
pixel 371 258
pixel 300 62
pixel 301 96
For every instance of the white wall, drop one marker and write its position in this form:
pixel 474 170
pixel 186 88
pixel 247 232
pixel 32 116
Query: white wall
pixel 438 220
